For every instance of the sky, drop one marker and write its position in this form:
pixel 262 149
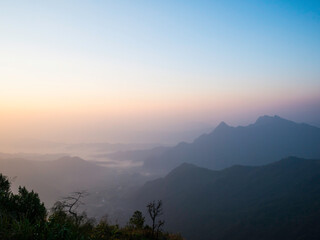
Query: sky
pixel 142 71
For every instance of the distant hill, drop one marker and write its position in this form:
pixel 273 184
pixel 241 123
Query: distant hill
pixel 280 200
pixel 265 141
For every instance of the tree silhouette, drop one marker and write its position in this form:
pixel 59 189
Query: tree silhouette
pixel 28 205
pixel 137 220
pixel 70 204
pixel 155 210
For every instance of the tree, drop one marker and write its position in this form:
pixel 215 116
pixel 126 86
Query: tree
pixel 22 214
pixel 137 220
pixel 4 193
pixel 66 223
pixel 25 204
pixel 70 205
pixel 4 198
pixel 28 205
pixel 4 186
pixel 155 210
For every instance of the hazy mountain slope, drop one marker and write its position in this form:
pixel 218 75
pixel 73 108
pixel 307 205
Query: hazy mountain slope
pixel 277 201
pixel 33 156
pixel 134 155
pixel 54 179
pixel 265 141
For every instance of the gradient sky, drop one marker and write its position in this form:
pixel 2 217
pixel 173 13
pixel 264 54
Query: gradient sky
pixel 107 70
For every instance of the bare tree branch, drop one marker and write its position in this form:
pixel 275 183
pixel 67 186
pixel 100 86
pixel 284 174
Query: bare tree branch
pixel 71 203
pixel 155 210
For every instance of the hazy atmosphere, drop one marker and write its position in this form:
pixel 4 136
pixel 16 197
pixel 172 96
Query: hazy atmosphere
pixel 159 120
pixel 138 71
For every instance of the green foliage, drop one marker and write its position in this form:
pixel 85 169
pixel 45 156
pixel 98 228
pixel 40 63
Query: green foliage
pixel 137 220
pixel 22 214
pixel 27 205
pixel 23 229
pixel 105 231
pixel 4 185
pixel 24 217
pixel 4 195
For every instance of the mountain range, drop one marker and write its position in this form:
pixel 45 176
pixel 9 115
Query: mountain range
pixel 227 184
pixel 267 140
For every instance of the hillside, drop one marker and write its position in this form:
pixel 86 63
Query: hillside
pixel 276 201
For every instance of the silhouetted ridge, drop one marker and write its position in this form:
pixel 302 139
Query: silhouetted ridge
pixel 267 140
pixel 220 129
pixel 276 201
pixel 182 169
pixel 222 125
pixel 186 166
pixel 268 120
pixel 182 144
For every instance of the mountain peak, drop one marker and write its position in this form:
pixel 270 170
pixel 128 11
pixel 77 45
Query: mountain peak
pixel 222 125
pixel 270 119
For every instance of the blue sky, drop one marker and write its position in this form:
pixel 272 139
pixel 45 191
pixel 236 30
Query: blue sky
pixel 127 57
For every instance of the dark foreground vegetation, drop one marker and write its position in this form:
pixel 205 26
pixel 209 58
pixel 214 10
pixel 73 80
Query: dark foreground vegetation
pixel 23 216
